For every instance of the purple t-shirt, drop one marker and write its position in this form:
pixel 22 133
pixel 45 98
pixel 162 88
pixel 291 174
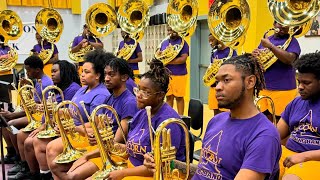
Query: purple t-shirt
pixel 125 105
pixel 69 92
pixel 280 76
pixel 78 39
pixel 302 118
pixel 4 50
pixel 130 85
pixel 177 69
pixel 92 99
pixel 220 54
pixel 38 48
pixel 134 66
pixel 138 142
pixel 45 81
pixel 233 144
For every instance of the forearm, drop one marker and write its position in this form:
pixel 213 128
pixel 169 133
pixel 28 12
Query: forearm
pixel 96 45
pixel 119 136
pixel 179 60
pixel 53 60
pixel 93 154
pixel 136 60
pixel 283 56
pixel 76 48
pixel 312 155
pixel 16 115
pixel 137 171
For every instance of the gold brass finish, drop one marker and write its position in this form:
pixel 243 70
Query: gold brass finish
pixel 67 128
pixel 105 139
pixel 256 102
pixel 78 56
pixel 49 105
pixel 10 29
pixel 170 53
pixel 229 21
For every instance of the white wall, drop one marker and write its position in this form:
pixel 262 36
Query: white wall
pixel 309 44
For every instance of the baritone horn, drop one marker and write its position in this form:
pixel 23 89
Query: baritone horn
pixel 259 98
pixel 10 29
pixel 48 106
pixel 105 139
pixel 182 18
pixel 133 17
pixel 19 106
pixel 64 118
pixel 164 152
pixel 27 95
pixel 49 25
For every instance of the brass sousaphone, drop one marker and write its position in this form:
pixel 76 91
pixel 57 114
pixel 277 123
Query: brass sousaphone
pixel 49 25
pixel 297 15
pixel 10 29
pixel 182 18
pixel 133 17
pixel 228 22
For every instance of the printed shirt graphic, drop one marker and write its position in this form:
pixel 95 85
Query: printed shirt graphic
pixel 134 66
pixel 125 106
pixel 220 54
pixel 138 142
pixel 302 118
pixel 233 144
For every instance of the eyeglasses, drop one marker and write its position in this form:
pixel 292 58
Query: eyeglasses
pixel 144 94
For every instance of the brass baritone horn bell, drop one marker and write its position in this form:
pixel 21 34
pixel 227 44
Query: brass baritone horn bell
pixel 10 29
pixel 105 139
pixel 256 102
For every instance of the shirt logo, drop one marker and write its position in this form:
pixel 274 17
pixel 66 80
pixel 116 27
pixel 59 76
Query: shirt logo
pixel 134 144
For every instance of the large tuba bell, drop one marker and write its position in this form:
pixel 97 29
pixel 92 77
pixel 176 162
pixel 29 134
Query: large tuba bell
pixel 49 25
pixel 182 18
pixel 297 14
pixel 27 95
pixel 105 140
pixel 65 121
pixel 11 29
pixel 133 17
pixel 256 102
pixel 79 56
pixel 49 105
pixel 164 152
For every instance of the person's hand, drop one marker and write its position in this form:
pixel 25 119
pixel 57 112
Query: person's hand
pixel 6 114
pixel 115 175
pixel 34 133
pixel 149 162
pixel 78 163
pixel 23 81
pixel 256 53
pixel 92 139
pixel 294 159
pixel 265 42
pixel 83 42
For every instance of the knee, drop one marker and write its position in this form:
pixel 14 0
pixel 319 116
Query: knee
pixel 38 145
pixel 179 98
pixel 73 176
pixel 290 177
pixel 28 144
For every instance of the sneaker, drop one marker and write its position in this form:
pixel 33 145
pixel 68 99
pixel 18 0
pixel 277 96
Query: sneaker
pixel 15 169
pixel 47 176
pixel 9 159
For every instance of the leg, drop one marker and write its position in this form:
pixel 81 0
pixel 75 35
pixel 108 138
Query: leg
pixel 82 172
pixel 40 152
pixel 290 177
pixel 180 105
pixel 21 137
pixel 170 100
pixel 18 123
pixel 30 155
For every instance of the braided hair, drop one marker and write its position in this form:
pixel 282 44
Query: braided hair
pixel 249 65
pixel 158 74
pixel 120 65
pixel 309 63
pixel 109 56
pixel 68 74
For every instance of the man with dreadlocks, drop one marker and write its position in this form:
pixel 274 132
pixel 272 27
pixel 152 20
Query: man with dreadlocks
pixel 300 122
pixel 242 143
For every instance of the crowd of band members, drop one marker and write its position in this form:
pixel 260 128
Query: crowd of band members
pixel 240 142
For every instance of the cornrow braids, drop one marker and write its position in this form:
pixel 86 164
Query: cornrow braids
pixel 158 74
pixel 249 66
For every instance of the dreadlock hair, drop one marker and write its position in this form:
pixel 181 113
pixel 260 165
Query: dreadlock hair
pixel 109 56
pixel 249 66
pixel 120 65
pixel 96 57
pixel 68 74
pixel 309 63
pixel 158 74
pixel 34 62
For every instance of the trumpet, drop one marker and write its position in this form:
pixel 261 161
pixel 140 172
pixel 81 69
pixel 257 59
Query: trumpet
pixel 27 93
pixel 163 155
pixel 105 140
pixel 67 130
pixel 256 102
pixel 48 105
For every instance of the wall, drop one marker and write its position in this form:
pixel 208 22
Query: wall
pixel 309 44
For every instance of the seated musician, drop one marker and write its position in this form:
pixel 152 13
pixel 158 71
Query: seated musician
pixel 151 91
pixel 64 76
pixel 136 56
pixel 85 39
pixel 219 51
pixel 299 124
pixel 45 45
pixel 123 101
pixel 178 68
pixel 242 143
pixel 280 76
pixel 34 68
pixel 93 93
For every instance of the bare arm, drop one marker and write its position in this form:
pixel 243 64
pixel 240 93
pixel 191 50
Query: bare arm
pixel 283 129
pixel 180 60
pixel 136 60
pixel 54 59
pixel 248 174
pixel 118 136
pixel 97 45
pixel 283 56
